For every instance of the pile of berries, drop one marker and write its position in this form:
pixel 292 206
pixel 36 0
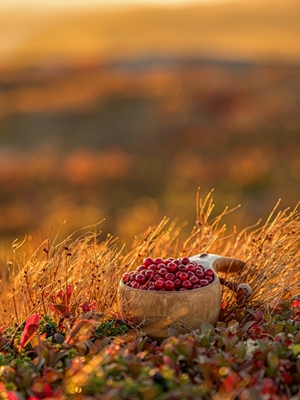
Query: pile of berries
pixel 169 275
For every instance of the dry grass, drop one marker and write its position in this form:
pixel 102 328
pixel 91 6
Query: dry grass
pixel 94 268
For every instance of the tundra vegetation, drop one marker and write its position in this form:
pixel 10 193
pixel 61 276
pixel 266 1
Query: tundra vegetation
pixel 63 337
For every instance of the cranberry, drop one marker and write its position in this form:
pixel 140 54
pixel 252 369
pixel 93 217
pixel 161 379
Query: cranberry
pixel 177 274
pixel 163 272
pixel 191 267
pixel 172 267
pixel 149 274
pixel 177 262
pixel 143 271
pixel 190 274
pixel 144 287
pixel 148 261
pixel 183 276
pixel 199 273
pixel 161 265
pixel 151 288
pixel 153 267
pixel 181 289
pixel 177 283
pixel 126 277
pixel 128 284
pixel 185 260
pixel 194 280
pixel 169 276
pixel 140 268
pixel 194 287
pixel 133 276
pixel 169 260
pixel 140 278
pixel 182 268
pixel 162 290
pixel 150 283
pixel 135 285
pixel 169 285
pixel 203 282
pixel 209 272
pixel 158 261
pixel 159 284
pixel 187 285
pixel 209 278
pixel 156 277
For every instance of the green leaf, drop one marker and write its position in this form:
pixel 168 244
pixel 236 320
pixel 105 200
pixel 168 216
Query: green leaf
pixel 277 328
pixel 207 328
pixel 268 318
pixel 241 350
pixel 289 327
pixel 273 361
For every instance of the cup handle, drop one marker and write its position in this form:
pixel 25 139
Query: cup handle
pixel 228 264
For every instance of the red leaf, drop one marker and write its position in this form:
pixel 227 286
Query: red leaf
pixel 31 327
pixel 231 382
pixel 12 396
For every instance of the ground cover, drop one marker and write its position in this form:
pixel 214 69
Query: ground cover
pixel 63 336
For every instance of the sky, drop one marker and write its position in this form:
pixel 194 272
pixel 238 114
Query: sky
pixel 86 3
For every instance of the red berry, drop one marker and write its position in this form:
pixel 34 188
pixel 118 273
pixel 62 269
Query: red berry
pixel 169 285
pixel 158 261
pixel 162 290
pixel 161 265
pixel 148 261
pixel 177 284
pixel 128 284
pixel 144 287
pixel 140 278
pixel 185 260
pixel 177 262
pixel 159 284
pixel 209 272
pixel 157 277
pixel 140 268
pixel 133 276
pixel 194 280
pixel 191 267
pixel 182 268
pixel 190 274
pixel 152 267
pixel 151 288
pixel 163 272
pixel 149 274
pixel 172 267
pixel 187 285
pixel 209 278
pixel 150 283
pixel 203 282
pixel 181 289
pixel 199 273
pixel 183 276
pixel 194 287
pixel 126 277
pixel 143 271
pixel 169 276
pixel 135 285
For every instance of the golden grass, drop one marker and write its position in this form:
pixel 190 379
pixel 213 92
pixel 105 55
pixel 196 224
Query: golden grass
pixel 94 268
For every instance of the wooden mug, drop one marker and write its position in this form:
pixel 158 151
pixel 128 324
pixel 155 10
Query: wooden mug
pixel 164 314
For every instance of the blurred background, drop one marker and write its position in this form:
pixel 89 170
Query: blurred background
pixel 120 110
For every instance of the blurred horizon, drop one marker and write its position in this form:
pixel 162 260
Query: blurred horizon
pixel 122 113
pixel 101 3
